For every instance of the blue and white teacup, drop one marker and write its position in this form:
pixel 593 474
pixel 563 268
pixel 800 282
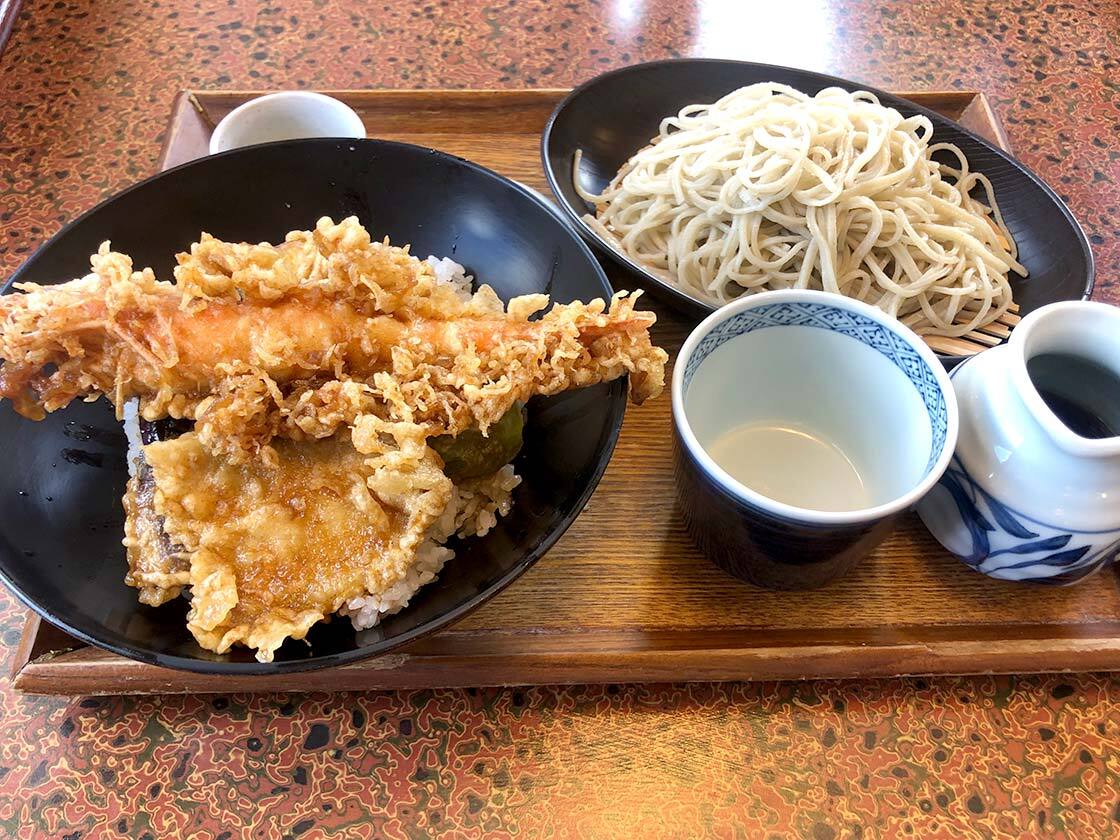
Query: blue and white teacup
pixel 804 423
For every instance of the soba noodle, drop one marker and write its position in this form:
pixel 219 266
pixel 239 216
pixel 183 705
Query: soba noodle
pixel 770 188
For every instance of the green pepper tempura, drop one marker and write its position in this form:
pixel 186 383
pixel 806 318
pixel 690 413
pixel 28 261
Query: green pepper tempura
pixel 474 455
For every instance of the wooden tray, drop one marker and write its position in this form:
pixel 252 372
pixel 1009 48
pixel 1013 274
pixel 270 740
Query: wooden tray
pixel 624 596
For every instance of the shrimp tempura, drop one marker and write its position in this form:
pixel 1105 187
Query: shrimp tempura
pixel 297 340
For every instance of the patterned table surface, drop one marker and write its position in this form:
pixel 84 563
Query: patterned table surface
pixel 85 89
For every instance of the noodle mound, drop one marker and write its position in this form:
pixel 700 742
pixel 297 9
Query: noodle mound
pixel 770 188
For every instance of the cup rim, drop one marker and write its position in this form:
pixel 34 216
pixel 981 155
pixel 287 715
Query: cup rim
pixel 271 99
pixel 742 492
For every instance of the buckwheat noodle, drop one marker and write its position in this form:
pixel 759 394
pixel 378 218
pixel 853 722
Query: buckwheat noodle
pixel 770 188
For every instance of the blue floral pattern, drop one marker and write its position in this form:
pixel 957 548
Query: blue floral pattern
pixel 1009 545
pixel 852 324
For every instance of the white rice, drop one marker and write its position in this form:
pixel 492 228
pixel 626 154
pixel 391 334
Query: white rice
pixel 367 610
pixel 131 420
pixel 452 273
pixel 474 509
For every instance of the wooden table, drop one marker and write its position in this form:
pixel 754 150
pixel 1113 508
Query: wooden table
pixel 84 92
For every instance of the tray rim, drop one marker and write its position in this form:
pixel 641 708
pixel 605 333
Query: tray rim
pixel 470 658
pixel 899 651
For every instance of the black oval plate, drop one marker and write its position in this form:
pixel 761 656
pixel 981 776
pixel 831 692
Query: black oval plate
pixel 61 521
pixel 615 114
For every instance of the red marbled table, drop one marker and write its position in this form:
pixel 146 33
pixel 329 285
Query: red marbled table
pixel 84 93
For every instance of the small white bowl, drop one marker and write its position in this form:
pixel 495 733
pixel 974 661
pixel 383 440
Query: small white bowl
pixel 288 115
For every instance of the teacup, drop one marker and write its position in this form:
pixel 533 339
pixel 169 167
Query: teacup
pixel 288 115
pixel 804 422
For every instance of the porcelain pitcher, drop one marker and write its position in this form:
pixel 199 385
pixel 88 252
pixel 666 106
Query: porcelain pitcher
pixel 1026 497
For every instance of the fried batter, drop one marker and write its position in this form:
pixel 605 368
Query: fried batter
pixel 315 371
pixel 276 549
pixel 250 330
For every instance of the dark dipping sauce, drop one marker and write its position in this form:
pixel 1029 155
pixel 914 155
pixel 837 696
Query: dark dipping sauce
pixel 1083 394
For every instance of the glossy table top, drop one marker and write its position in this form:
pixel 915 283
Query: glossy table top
pixel 85 90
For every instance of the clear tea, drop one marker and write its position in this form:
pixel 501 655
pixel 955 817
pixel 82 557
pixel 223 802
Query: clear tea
pixel 792 466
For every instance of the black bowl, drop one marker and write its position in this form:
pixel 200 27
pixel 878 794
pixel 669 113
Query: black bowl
pixel 615 114
pixel 61 519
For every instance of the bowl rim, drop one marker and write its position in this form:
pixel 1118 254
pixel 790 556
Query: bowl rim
pixel 687 299
pixel 616 395
pixel 744 494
